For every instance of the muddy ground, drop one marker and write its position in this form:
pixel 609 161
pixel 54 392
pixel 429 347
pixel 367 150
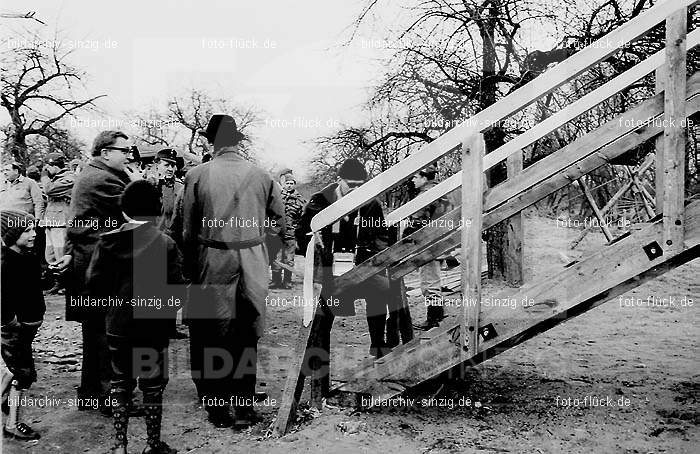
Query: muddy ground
pixel 643 360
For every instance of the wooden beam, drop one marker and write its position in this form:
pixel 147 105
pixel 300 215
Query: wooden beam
pixel 600 277
pixel 514 231
pixel 659 79
pixel 596 211
pixel 543 128
pixel 675 131
pixel 519 99
pixel 563 176
pixel 472 207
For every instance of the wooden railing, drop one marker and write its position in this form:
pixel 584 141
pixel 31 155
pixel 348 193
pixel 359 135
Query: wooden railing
pixel 516 101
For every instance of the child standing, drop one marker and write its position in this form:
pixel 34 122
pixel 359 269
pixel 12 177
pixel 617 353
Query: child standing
pixel 22 314
pixel 137 269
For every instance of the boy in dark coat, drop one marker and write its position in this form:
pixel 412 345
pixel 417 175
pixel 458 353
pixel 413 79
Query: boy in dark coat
pixel 22 314
pixel 136 274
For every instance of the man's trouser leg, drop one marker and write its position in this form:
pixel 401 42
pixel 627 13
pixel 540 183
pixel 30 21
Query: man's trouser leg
pixel 431 288
pixel 96 371
pixel 399 321
pixel 376 299
pixel 290 246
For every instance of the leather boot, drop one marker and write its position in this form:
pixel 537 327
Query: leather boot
pixel 276 279
pixel 120 419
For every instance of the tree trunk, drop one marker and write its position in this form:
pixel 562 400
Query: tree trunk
pixel 496 245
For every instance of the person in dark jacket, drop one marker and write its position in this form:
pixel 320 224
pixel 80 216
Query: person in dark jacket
pixel 293 209
pixel 22 314
pixel 94 209
pixel 430 282
pixel 136 273
pixel 361 233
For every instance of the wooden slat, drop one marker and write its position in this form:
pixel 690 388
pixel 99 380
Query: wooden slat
pixel 472 206
pixel 514 231
pixel 519 99
pixel 660 76
pixel 556 181
pixel 674 131
pixel 610 272
pixel 543 128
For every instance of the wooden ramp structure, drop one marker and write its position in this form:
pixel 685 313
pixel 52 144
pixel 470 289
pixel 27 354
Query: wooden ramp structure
pixel 483 330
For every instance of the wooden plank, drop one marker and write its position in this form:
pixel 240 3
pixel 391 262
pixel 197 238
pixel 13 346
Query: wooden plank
pixel 608 273
pixel 543 128
pixel 514 231
pixel 596 211
pixel 542 189
pixel 472 207
pixel 675 131
pixel 660 76
pixel 294 385
pixel 519 99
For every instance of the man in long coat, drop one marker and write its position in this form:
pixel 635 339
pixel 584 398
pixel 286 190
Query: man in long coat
pixel 230 205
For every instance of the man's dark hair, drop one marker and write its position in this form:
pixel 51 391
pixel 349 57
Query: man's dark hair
pixel 141 201
pixel 105 139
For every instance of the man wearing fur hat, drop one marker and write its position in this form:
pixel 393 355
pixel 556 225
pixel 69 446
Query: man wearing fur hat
pixel 230 205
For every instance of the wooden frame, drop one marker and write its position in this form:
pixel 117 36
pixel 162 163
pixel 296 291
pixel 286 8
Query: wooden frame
pixel 543 128
pixel 519 99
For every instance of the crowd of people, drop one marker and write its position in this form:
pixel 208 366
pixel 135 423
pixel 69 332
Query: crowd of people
pixel 132 247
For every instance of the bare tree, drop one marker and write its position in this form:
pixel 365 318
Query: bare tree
pixel 39 88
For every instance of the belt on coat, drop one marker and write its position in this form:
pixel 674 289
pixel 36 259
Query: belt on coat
pixel 243 244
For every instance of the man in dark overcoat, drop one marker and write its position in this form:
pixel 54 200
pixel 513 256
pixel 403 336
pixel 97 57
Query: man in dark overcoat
pixel 229 206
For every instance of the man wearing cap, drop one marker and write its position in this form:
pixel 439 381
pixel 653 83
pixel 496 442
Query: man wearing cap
pixel 361 233
pixel 230 205
pixel 293 208
pixel 169 186
pixel 19 192
pixel 430 283
pixel 58 185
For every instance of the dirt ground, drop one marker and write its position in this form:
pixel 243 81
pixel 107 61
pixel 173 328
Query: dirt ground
pixel 641 362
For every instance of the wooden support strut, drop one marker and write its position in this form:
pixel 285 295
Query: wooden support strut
pixel 674 130
pixel 472 207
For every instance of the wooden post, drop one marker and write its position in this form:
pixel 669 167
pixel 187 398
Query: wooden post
pixel 659 143
pixel 472 209
pixel 514 231
pixel 674 130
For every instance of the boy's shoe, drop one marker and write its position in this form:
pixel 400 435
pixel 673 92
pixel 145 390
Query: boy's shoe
pixel 21 432
pixel 161 448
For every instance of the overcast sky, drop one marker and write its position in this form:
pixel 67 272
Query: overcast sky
pixel 277 55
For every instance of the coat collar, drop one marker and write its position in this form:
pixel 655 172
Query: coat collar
pixel 100 164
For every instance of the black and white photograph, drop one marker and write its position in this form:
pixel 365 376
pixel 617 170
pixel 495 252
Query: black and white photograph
pixel 350 226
